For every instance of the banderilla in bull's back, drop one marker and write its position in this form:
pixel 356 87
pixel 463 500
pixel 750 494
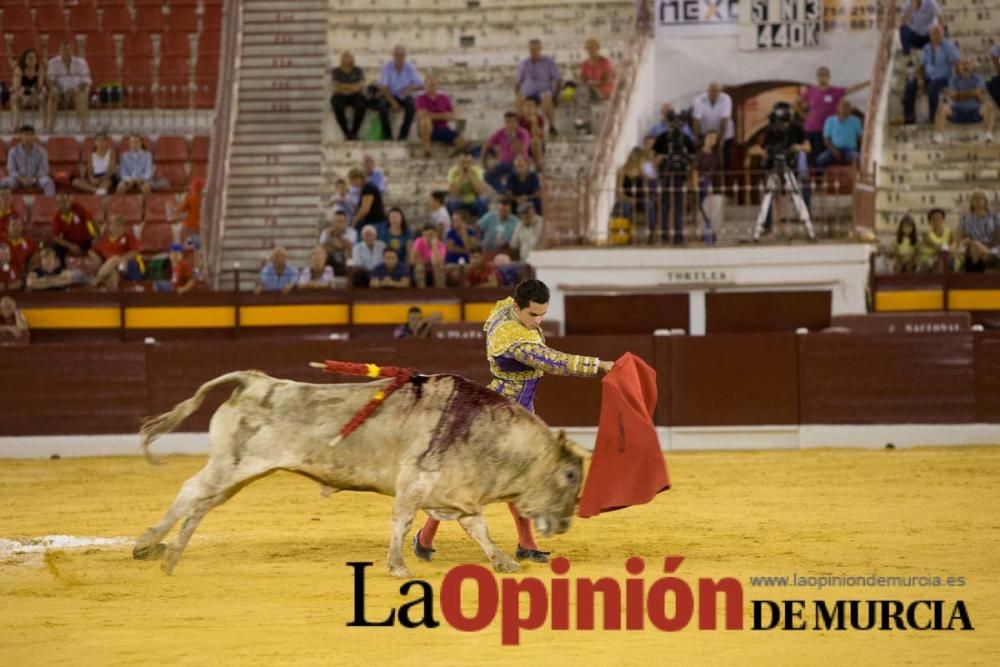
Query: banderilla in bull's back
pixel 438 443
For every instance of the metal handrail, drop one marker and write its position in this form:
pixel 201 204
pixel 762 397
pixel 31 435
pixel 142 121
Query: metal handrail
pixel 879 79
pixel 624 84
pixel 213 204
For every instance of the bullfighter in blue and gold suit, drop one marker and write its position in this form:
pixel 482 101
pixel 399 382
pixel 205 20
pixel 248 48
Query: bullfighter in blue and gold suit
pixel 518 358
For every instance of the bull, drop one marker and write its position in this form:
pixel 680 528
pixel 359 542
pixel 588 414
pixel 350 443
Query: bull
pixel 440 443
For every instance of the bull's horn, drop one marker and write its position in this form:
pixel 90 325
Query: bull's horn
pixel 574 448
pixel 316 364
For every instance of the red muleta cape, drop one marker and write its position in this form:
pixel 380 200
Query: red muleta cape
pixel 627 467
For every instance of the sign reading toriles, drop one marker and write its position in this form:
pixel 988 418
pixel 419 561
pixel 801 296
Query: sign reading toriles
pixel 780 24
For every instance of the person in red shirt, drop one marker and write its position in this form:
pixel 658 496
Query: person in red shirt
pixel 118 254
pixel 191 209
pixel 6 211
pixel 182 277
pixel 532 120
pixel 480 272
pixel 18 254
pixel 73 231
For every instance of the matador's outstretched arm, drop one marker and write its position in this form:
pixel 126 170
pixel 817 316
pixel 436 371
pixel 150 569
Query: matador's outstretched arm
pixel 543 358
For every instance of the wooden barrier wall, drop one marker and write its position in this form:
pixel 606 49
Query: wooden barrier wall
pixel 715 380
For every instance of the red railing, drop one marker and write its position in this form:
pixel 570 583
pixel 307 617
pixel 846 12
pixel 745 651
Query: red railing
pixel 213 203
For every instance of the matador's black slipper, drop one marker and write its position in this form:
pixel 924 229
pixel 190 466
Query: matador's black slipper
pixel 422 552
pixel 532 554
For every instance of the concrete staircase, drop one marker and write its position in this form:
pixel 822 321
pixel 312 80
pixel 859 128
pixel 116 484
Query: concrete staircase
pixel 472 48
pixel 915 174
pixel 274 159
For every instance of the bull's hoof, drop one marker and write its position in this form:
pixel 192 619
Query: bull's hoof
pixel 425 554
pixel 170 562
pixel 532 554
pixel 400 571
pixel 153 552
pixel 505 564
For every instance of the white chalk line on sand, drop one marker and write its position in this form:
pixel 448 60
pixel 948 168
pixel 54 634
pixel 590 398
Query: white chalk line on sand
pixel 37 545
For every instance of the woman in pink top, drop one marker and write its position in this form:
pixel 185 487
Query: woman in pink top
pixel 427 257
pixel 818 103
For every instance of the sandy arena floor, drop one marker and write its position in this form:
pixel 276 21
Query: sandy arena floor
pixel 263 580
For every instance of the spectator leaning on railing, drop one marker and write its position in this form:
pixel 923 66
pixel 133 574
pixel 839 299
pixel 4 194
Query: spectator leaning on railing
pixel 13 325
pixel 937 64
pixel 277 275
pixel 967 103
pixel 391 273
pixel 318 275
pixel 417 326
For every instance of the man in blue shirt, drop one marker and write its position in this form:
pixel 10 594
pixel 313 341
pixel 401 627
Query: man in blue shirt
pixel 277 275
pixel 842 136
pixel 915 24
pixel 663 125
pixel 398 83
pixel 497 227
pixel 937 61
pixel 391 272
pixel 966 104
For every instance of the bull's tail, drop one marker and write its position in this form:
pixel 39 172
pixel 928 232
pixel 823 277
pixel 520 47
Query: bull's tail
pixel 153 427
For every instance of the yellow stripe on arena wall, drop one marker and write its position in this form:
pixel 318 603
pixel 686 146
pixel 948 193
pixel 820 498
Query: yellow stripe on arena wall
pixel 478 312
pixel 192 317
pixel 292 315
pixel 886 301
pixel 974 299
pixel 395 313
pixel 73 318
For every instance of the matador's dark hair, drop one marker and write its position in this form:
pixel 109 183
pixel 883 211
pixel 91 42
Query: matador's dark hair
pixel 530 290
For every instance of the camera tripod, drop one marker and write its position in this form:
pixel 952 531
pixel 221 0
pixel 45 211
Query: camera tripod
pixel 775 177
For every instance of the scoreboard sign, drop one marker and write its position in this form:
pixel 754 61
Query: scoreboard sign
pixel 780 24
pixel 697 17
